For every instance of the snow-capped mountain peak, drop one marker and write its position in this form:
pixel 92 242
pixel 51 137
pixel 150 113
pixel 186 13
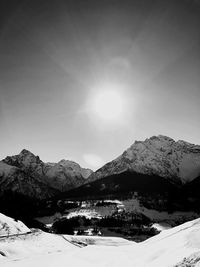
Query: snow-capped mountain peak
pixel 158 155
pixel 26 170
pixel 24 159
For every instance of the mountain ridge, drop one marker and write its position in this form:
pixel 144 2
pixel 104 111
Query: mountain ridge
pixel 28 171
pixel 162 156
pixel 159 155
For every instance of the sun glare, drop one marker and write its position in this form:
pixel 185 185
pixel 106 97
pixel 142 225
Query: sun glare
pixel 108 105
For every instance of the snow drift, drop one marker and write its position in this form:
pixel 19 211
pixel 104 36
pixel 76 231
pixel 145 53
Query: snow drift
pixel 9 226
pixel 172 247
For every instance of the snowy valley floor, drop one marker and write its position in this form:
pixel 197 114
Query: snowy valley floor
pixel 179 246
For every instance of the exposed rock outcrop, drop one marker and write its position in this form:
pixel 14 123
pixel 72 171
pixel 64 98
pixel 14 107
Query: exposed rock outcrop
pixel 27 174
pixel 159 155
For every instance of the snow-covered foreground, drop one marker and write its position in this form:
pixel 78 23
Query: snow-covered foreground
pixel 173 247
pixel 9 226
pixel 32 245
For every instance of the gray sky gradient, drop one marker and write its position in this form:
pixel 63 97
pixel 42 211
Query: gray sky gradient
pixel 54 54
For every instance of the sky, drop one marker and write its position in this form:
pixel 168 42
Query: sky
pixel 82 80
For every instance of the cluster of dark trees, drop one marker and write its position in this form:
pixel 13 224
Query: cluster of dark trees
pixel 128 224
pixel 25 209
pixel 67 226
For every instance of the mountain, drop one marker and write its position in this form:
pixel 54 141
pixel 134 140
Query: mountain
pixel 158 168
pixel 162 174
pixel 20 181
pixel 28 175
pixel 178 161
pixel 65 174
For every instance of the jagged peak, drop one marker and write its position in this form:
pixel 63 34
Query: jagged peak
pixel 166 138
pixel 160 155
pixel 185 143
pixel 24 158
pixel 67 161
pixel 26 152
pixel 73 163
pixel 161 137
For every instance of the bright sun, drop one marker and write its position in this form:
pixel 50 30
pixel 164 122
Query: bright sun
pixel 108 105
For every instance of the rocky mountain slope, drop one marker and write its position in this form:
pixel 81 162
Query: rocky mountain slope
pixel 27 174
pixel 159 155
pixel 16 180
